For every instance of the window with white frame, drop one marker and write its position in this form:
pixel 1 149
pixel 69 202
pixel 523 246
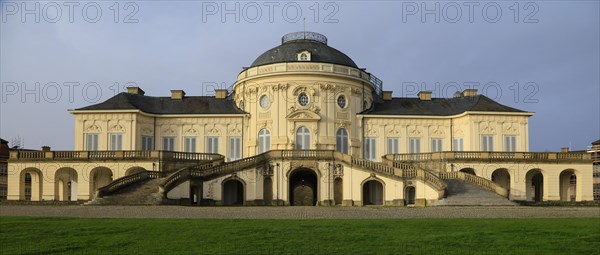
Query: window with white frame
pixel 487 143
pixel 91 142
pixel 235 148
pixel 168 143
pixel 510 143
pixel 341 141
pixel 264 140
pixel 147 143
pixel 212 144
pixel 370 148
pixel 302 138
pixel 436 144
pixel 457 144
pixel 414 145
pixel 116 141
pixel 393 145
pixel 189 144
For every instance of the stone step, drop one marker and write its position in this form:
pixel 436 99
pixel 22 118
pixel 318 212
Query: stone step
pixel 143 193
pixel 461 193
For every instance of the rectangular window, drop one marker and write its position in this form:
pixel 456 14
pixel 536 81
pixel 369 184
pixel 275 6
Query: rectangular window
pixel 189 144
pixel 436 145
pixel 91 142
pixel 168 143
pixel 370 148
pixel 147 143
pixel 393 145
pixel 212 144
pixel 487 143
pixel 116 142
pixel 457 144
pixel 414 145
pixel 510 143
pixel 235 148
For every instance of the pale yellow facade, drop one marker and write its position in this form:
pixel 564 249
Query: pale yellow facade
pixel 295 132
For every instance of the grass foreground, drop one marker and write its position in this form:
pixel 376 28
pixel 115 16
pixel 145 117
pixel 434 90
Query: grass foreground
pixel 32 235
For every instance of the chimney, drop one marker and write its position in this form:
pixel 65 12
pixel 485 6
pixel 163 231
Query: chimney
pixel 135 91
pixel 469 93
pixel 387 95
pixel 45 148
pixel 564 149
pixel 177 94
pixel 425 95
pixel 220 93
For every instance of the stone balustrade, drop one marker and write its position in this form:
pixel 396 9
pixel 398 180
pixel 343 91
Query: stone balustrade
pixel 490 156
pixel 112 155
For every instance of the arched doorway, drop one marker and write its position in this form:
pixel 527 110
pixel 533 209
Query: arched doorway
pixel 338 191
pixel 99 177
pixel 372 193
pixel 65 184
pixel 410 195
pixel 468 171
pixel 535 185
pixel 268 190
pixel 303 187
pixel 30 185
pixel 233 192
pixel 568 185
pixel 502 178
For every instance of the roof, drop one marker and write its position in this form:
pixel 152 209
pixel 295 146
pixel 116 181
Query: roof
pixel 319 52
pixel 437 106
pixel 166 105
pixel 3 141
pixel 596 142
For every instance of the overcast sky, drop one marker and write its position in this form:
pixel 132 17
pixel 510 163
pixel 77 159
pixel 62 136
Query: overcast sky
pixel 542 57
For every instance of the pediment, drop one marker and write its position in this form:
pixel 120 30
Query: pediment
pixel 303 115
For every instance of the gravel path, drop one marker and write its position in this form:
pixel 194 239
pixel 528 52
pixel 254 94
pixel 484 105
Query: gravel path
pixel 296 212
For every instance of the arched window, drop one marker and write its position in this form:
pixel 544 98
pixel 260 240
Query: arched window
pixel 303 57
pixel 302 138
pixel 264 140
pixel 341 141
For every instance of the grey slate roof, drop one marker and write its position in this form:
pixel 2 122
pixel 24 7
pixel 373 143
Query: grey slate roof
pixel 320 52
pixel 166 105
pixel 437 106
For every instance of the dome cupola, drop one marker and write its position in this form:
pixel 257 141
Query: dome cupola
pixel 304 46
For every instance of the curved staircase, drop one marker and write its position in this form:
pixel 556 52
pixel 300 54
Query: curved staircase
pixel 145 192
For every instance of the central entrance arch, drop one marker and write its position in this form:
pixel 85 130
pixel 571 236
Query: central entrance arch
pixel 303 187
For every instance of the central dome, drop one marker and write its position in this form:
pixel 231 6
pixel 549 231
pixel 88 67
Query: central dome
pixel 294 43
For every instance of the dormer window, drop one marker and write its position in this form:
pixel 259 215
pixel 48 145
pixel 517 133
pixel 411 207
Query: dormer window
pixel 304 56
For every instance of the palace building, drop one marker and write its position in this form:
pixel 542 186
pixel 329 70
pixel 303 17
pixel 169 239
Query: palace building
pixel 302 125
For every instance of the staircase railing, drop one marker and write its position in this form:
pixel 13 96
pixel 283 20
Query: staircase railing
pixel 476 180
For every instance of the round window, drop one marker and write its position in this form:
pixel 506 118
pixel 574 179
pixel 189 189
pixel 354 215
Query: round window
pixel 341 101
pixel 264 102
pixel 303 99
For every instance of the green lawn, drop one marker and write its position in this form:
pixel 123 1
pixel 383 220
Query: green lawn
pixel 27 235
